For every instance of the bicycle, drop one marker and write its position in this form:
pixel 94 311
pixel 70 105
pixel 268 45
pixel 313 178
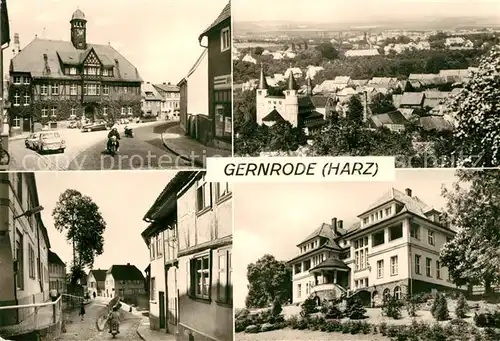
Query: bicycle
pixel 4 155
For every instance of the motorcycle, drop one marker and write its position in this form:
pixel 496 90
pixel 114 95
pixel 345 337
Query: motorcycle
pixel 129 132
pixel 112 144
pixel 114 328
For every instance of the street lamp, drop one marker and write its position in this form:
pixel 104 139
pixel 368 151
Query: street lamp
pixel 30 212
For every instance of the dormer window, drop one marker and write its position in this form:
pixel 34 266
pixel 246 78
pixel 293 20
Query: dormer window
pixel 72 70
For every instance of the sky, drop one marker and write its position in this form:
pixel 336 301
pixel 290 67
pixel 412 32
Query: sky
pixel 123 198
pixel 273 218
pixel 358 10
pixel 160 37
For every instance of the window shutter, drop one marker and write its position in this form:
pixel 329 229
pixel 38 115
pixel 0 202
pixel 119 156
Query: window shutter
pixel 210 274
pixel 192 277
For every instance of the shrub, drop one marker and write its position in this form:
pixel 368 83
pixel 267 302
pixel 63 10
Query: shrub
pixel 316 322
pixel 277 309
pixel 383 328
pixel 331 311
pixel 439 309
pixel 435 333
pixel 365 327
pixel 462 308
pixel 332 326
pixel 487 319
pixel 392 307
pixel 412 305
pixel 308 307
pixel 354 309
pixel 252 329
pixel 267 327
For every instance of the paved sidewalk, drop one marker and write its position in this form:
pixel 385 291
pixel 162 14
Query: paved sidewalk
pixel 178 143
pixel 44 319
pixel 147 334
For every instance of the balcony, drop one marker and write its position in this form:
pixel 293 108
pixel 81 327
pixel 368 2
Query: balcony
pixel 328 291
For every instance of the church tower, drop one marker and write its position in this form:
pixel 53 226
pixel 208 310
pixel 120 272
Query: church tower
pixel 291 101
pixel 79 30
pixel 261 97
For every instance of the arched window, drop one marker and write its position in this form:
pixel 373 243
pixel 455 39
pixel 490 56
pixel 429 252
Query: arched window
pixel 397 293
pixel 387 293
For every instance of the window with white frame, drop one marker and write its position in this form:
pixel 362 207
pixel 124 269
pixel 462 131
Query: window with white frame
pixel 397 293
pixel 201 267
pixel 54 89
pixel 123 112
pixel 129 109
pixel 31 262
pixel 361 253
pixel 417 264
pixel 222 189
pixel 430 237
pixel 105 111
pixel 72 70
pixel 44 89
pixel 73 89
pixel 53 111
pixel 203 195
pixel 45 112
pixel 438 270
pixel 105 89
pixel 73 113
pixel 415 231
pixel 394 265
pixel 225 39
pixel 27 98
pixel 380 268
pixel 299 290
pixel 224 280
pixel 17 80
pixel 17 98
pixel 159 250
pixel 428 267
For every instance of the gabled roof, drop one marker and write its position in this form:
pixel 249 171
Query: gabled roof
pixel 99 275
pixel 330 263
pixel 341 80
pixel 149 93
pixel 273 116
pixel 435 123
pixel 55 259
pixel 165 87
pixel 223 16
pixel 393 117
pixel 412 98
pixel 32 59
pixel 126 272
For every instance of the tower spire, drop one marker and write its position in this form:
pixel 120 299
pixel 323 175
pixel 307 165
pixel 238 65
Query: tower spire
pixel 309 86
pixel 292 84
pixel 262 80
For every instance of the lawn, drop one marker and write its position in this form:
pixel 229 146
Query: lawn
pixel 288 334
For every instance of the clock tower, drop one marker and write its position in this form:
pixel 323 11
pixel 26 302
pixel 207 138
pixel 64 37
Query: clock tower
pixel 79 30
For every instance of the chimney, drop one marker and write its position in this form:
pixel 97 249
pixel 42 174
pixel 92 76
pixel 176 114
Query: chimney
pixel 408 192
pixel 365 105
pixel 334 225
pixel 169 83
pixel 17 44
pixel 340 224
pixel 128 264
pixel 164 83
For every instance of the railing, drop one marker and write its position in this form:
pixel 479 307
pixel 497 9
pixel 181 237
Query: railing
pixel 33 317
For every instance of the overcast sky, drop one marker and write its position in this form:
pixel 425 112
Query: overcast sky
pixel 274 218
pixel 123 198
pixel 359 10
pixel 160 37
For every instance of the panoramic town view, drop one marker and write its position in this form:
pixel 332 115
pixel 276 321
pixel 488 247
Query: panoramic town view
pixel 83 90
pixel 71 266
pixel 409 79
pixel 415 259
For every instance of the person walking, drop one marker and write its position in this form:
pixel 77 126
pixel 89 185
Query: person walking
pixel 82 311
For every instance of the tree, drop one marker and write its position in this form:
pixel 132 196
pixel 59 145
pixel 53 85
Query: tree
pixel 381 104
pixel 476 112
pixel 354 308
pixel 473 208
pixel 355 110
pixel 269 280
pixel 284 137
pixel 439 309
pixel 328 51
pixel 258 51
pixel 462 308
pixel 79 216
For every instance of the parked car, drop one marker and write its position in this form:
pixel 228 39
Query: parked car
pixel 31 141
pixel 51 141
pixel 95 126
pixel 73 125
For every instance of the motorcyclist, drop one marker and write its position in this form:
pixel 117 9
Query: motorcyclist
pixel 114 316
pixel 114 132
pixel 127 130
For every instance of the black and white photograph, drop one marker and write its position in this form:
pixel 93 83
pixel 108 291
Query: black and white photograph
pixel 115 85
pixel 81 263
pixel 413 259
pixel 417 80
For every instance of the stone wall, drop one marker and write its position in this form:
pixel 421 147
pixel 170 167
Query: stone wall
pixel 184 333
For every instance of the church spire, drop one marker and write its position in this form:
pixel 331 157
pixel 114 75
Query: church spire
pixel 292 84
pixel 262 80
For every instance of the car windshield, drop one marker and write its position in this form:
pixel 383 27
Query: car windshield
pixel 50 135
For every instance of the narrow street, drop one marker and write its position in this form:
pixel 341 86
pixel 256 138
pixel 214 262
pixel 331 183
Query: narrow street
pixel 86 151
pixel 86 330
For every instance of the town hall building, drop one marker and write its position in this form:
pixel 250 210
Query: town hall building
pixel 392 249
pixel 54 81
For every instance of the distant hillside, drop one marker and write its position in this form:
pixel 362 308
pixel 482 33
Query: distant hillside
pixel 430 23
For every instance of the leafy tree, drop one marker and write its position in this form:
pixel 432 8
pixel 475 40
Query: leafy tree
pixel 308 307
pixel 269 280
pixel 79 216
pixel 473 207
pixel 381 103
pixel 439 309
pixel 476 112
pixel 391 307
pixel 258 51
pixel 355 110
pixel 462 308
pixel 284 137
pixel 328 51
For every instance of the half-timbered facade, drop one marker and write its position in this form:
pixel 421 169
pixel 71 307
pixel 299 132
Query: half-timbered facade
pixel 55 81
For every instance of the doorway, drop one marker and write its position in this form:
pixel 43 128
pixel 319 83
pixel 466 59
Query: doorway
pixel 162 309
pixel 89 113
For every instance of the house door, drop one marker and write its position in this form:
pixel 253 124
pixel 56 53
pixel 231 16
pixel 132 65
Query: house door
pixel 89 113
pixel 162 309
pixel 26 125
